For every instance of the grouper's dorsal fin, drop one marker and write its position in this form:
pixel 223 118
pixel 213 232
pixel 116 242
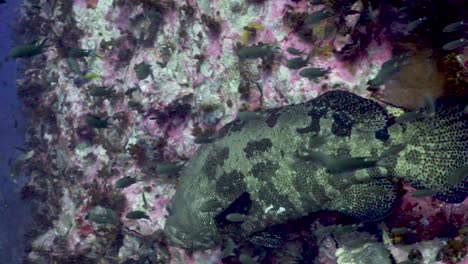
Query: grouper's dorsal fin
pixel 350 111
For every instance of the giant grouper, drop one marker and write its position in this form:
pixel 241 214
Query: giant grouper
pixel 338 152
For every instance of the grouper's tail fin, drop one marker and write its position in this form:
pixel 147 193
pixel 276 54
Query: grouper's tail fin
pixel 436 155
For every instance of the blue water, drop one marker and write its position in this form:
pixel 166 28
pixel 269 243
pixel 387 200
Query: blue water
pixel 14 213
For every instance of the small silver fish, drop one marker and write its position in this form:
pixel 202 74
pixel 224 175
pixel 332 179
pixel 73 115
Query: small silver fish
pixel 236 217
pixel 210 206
pixel 393 150
pixel 429 106
pixel 407 117
pixel 424 193
pixel 101 91
pixel 415 24
pixel 455 26
pixel 402 231
pixel 341 165
pixel 455 44
pixel 389 69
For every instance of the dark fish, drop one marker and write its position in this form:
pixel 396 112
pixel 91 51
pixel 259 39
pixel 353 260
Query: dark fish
pixel 313 73
pixel 137 215
pixel 168 167
pixel 296 63
pixel 145 203
pixel 316 2
pixel 402 231
pixel 318 16
pixel 142 70
pixel 29 50
pixel 18 163
pixel 455 26
pixel 415 24
pixel 101 91
pixel 349 12
pixel 248 115
pixel 204 139
pixel 74 65
pixel 341 165
pixel 78 53
pixel 388 70
pixel 125 182
pixel 424 193
pixel 407 117
pixel 455 44
pixel 338 165
pixel 252 30
pixel 295 51
pixel 2 2
pixel 260 50
pixel 103 215
pixel 96 122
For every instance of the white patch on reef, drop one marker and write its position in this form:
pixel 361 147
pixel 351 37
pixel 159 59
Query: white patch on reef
pixel 48 137
pixel 94 23
pixel 82 150
pixel 368 253
pixel 280 210
pixel 268 209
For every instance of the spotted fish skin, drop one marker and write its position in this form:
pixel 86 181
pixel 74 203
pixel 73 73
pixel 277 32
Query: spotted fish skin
pixel 260 157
